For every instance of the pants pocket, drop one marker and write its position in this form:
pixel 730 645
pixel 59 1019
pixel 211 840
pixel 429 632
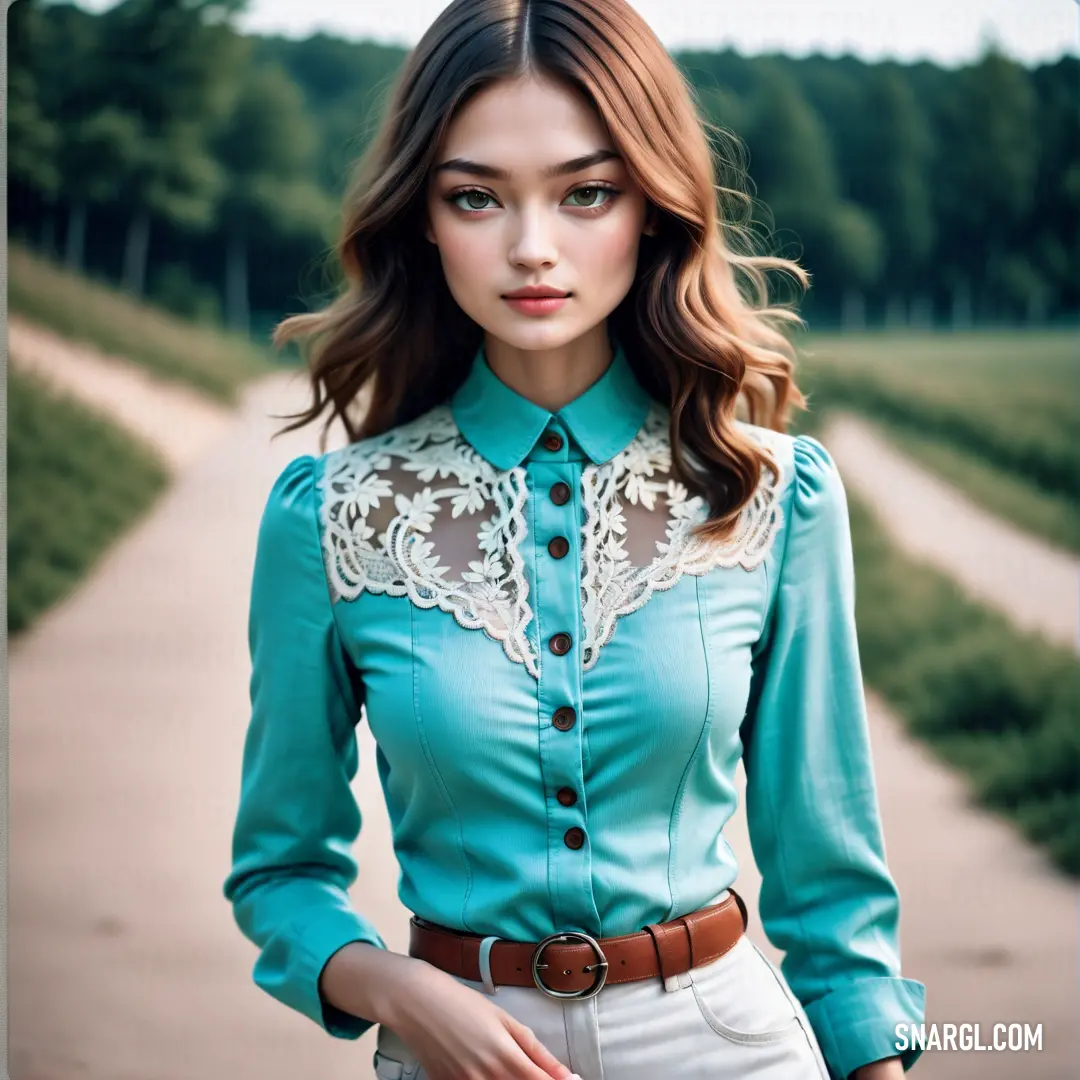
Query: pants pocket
pixel 393 1060
pixel 387 1068
pixel 741 999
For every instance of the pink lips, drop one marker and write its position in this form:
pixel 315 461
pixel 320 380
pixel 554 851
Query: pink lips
pixel 536 301
pixel 536 305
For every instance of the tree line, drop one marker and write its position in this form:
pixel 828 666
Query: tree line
pixel 155 145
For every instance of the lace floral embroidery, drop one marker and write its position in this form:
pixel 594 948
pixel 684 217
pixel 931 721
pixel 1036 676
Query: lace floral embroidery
pixel 611 586
pixel 431 492
pixel 492 595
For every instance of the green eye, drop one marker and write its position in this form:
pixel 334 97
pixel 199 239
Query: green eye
pixel 481 200
pixel 594 191
pixel 472 194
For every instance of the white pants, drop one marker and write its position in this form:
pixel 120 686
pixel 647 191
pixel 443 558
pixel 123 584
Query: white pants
pixel 732 1018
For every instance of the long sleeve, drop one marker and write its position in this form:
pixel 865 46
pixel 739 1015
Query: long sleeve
pixel 297 817
pixel 827 897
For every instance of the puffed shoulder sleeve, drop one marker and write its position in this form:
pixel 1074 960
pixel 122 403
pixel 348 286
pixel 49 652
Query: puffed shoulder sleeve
pixel 827 897
pixel 297 817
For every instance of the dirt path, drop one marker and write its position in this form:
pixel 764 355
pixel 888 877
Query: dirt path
pixel 128 712
pixel 1036 585
pixel 985 922
pixel 179 423
pixel 128 707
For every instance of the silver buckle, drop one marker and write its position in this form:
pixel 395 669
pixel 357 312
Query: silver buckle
pixel 601 965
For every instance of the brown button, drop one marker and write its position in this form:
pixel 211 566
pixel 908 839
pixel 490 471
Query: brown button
pixel 552 441
pixel 567 796
pixel 564 718
pixel 574 838
pixel 560 493
pixel 558 546
pixel 560 643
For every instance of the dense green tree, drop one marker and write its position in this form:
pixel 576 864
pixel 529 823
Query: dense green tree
pixel 344 84
pixel 33 136
pixel 792 165
pixel 985 171
pixel 49 51
pixel 267 150
pixel 173 65
pixel 1053 240
pixel 891 176
pixel 905 189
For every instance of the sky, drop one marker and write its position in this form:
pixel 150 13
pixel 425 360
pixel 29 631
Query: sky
pixel 949 32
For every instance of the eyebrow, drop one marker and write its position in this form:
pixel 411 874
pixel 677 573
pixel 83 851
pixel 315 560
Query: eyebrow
pixel 475 168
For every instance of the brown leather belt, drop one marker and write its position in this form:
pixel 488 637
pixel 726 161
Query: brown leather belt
pixel 574 965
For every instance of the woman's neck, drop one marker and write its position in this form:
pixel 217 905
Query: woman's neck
pixel 551 378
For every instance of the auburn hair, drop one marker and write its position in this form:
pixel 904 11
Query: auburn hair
pixel 697 326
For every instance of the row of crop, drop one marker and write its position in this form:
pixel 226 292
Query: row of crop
pixel 75 483
pixel 1043 453
pixel 77 308
pixel 1008 400
pixel 1001 704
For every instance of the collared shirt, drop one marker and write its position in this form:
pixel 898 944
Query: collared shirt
pixel 561 681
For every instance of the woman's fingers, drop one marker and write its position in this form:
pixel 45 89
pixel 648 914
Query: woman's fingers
pixel 537 1052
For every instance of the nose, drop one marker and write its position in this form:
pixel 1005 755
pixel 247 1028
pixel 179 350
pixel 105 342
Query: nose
pixel 533 243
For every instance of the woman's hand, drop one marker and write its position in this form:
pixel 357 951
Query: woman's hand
pixel 886 1069
pixel 460 1034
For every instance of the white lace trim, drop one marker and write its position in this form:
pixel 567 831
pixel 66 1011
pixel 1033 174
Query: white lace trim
pixel 611 586
pixel 493 594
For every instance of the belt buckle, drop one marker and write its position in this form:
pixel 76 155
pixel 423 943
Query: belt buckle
pixel 601 965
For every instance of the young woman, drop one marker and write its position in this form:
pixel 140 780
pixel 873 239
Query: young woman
pixel 574 570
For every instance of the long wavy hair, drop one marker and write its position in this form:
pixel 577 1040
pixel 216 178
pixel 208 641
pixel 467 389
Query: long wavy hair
pixel 697 325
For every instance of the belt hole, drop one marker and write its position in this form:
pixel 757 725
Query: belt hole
pixel 519 969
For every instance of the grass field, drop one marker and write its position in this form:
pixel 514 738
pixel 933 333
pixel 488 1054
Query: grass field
pixel 999 704
pixel 75 483
pixel 994 413
pixel 996 703
pixel 75 307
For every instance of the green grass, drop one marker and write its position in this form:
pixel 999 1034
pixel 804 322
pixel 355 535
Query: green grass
pixel 995 412
pixel 75 307
pixel 999 704
pixel 75 483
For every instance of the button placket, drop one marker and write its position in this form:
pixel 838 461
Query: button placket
pixel 556 532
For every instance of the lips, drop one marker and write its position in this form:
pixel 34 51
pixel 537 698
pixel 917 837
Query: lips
pixel 536 292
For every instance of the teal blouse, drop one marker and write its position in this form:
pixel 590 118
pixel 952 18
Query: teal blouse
pixel 560 683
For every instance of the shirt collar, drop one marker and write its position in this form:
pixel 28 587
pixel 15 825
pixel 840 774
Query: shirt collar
pixel 503 426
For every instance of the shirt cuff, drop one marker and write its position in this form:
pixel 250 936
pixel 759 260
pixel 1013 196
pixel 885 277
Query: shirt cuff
pixel 856 1023
pixel 320 938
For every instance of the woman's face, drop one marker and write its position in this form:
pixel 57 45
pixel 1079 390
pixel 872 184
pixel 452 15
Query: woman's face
pixel 503 219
